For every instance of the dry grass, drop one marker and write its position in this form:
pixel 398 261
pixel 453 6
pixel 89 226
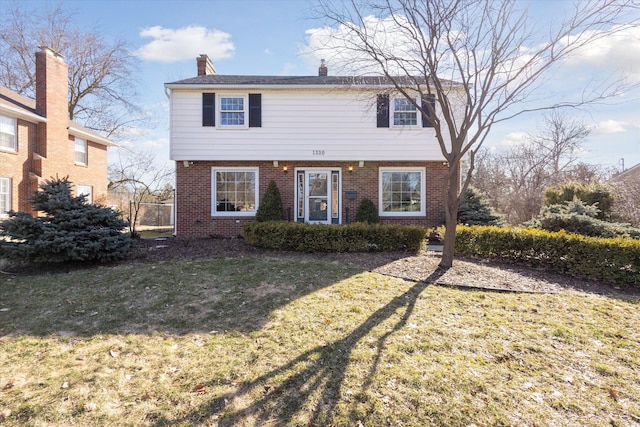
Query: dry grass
pixel 301 341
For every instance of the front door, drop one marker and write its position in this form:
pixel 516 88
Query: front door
pixel 318 196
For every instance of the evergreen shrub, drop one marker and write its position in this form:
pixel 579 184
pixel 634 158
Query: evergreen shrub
pixel 356 237
pixel 270 208
pixel 367 212
pixel 474 209
pixel 70 229
pixel 613 260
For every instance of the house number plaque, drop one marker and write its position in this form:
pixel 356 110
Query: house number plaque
pixel 317 152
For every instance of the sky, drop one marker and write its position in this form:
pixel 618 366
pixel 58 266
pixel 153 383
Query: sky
pixel 272 37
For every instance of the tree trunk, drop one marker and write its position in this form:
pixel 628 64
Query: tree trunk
pixel 451 214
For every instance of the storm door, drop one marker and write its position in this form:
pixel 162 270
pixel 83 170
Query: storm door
pixel 318 197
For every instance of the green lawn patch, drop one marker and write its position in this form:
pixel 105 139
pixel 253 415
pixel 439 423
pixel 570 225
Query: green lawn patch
pixel 300 342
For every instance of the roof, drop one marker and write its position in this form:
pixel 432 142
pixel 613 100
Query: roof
pixel 292 81
pixel 16 105
pixel 631 173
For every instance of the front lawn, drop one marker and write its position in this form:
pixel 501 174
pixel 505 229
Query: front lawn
pixel 307 342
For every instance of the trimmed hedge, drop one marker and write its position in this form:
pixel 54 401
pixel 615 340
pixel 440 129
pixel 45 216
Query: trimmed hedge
pixel 613 260
pixel 357 237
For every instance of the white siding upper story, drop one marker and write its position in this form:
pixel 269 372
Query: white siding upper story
pixel 312 124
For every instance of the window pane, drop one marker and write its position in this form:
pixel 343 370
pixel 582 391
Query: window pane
pixel 81 151
pixel 232 111
pixel 401 191
pixel 404 113
pixel 235 191
pixel 8 132
pixel 5 195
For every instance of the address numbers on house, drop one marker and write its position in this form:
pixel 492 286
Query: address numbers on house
pixel 317 152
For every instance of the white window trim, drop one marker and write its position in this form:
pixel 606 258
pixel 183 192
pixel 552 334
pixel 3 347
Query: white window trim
pixel 392 107
pixel 8 196
pixel 86 152
pixel 245 103
pixel 15 135
pixel 423 192
pixel 215 213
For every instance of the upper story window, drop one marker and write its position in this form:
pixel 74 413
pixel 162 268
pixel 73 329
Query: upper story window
pixel 8 134
pixel 404 113
pixel 402 191
pixel 232 111
pixel 85 190
pixel 5 196
pixel 81 151
pixel 400 112
pixel 234 191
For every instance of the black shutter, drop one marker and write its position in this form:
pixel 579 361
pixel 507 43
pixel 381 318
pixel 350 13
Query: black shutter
pixel 426 101
pixel 208 109
pixel 255 110
pixel 383 111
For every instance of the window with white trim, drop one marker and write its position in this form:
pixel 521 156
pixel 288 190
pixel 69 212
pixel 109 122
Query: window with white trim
pixel 234 191
pixel 402 191
pixel 404 113
pixel 232 111
pixel 81 151
pixel 86 190
pixel 5 196
pixel 8 134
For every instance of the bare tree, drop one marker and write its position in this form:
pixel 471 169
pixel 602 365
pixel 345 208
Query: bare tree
pixel 516 177
pixel 559 142
pixel 136 178
pixel 482 59
pixel 101 72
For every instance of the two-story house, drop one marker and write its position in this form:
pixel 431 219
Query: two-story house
pixel 327 141
pixel 38 141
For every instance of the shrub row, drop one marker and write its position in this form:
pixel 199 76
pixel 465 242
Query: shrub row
pixel 614 260
pixel 356 237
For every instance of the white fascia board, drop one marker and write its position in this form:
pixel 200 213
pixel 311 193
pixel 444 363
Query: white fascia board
pixel 20 113
pixel 90 136
pixel 276 87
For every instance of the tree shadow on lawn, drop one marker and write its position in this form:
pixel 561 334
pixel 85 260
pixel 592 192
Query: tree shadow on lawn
pixel 175 297
pixel 311 383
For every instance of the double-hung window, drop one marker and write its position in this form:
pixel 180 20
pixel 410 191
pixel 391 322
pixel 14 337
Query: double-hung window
pixel 8 134
pixel 81 151
pixel 405 113
pixel 234 191
pixel 85 190
pixel 233 111
pixel 402 191
pixel 5 196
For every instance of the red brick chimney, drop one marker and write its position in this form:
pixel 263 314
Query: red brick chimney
pixel 52 89
pixel 322 71
pixel 205 67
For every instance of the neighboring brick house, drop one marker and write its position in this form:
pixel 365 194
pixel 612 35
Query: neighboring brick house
pixel 328 142
pixel 38 141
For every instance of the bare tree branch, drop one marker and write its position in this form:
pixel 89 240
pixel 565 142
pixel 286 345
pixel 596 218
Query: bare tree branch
pixel 484 60
pixel 101 72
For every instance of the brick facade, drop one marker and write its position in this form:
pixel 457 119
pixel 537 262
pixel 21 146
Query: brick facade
pixel 46 145
pixel 193 197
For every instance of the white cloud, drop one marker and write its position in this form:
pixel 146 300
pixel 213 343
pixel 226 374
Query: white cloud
pixel 610 126
pixel 617 52
pixel 173 45
pixel 268 51
pixel 512 139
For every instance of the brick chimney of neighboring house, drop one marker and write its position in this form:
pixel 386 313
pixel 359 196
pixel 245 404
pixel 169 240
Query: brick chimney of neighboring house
pixel 52 89
pixel 205 67
pixel 323 71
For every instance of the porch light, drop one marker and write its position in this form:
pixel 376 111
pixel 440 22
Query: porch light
pixel 350 168
pixel 285 169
